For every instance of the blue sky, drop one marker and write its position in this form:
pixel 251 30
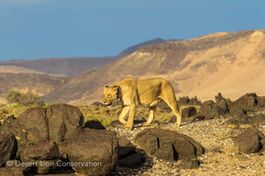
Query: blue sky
pixel 31 29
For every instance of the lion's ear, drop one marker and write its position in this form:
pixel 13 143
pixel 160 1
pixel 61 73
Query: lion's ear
pixel 106 86
pixel 116 87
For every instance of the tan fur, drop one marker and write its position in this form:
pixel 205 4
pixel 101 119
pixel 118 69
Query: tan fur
pixel 133 92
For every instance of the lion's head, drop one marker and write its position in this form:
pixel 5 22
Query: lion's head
pixel 111 93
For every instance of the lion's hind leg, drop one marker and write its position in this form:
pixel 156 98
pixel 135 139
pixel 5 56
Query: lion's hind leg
pixel 171 101
pixel 175 109
pixel 176 113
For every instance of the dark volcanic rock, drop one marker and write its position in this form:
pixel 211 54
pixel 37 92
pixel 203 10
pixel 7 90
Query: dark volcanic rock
pixel 124 142
pixel 8 147
pixel 209 110
pixel 162 105
pixel 42 151
pixel 195 101
pixel 134 160
pixel 244 121
pixel 43 155
pixel 189 112
pixel 56 122
pixel 63 120
pixel 11 126
pixel 128 155
pixel 183 100
pixel 33 136
pixel 250 141
pixel 46 166
pixel 124 151
pixel 35 119
pixel 125 147
pixel 188 101
pixel 261 101
pixel 248 102
pixel 95 150
pixel 221 104
pixel 239 121
pixel 168 145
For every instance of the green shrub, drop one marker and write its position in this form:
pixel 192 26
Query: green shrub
pixel 25 99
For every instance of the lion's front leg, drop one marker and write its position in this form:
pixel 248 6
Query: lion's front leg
pixel 131 116
pixel 123 114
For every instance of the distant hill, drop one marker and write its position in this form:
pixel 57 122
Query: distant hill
pixel 61 66
pixel 231 63
pixel 135 47
pixel 40 84
pixel 17 69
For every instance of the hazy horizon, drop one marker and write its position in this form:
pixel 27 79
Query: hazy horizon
pixel 35 29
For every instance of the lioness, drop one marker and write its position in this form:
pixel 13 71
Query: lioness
pixel 133 92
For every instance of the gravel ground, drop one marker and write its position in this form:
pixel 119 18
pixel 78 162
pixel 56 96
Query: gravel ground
pixel 220 157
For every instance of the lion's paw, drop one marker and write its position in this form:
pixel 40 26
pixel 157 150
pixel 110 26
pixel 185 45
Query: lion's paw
pixel 130 127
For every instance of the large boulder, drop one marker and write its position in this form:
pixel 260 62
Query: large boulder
pixel 43 155
pixel 10 125
pixel 245 121
pixel 247 102
pixel 221 104
pixel 250 141
pixel 63 120
pixel 56 122
pixel 168 145
pixel 8 147
pixel 209 110
pixel 95 150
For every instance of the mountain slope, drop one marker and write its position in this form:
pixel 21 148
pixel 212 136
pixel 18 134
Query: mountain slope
pixel 231 63
pixel 39 84
pixel 61 66
pixel 133 48
pixel 16 69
